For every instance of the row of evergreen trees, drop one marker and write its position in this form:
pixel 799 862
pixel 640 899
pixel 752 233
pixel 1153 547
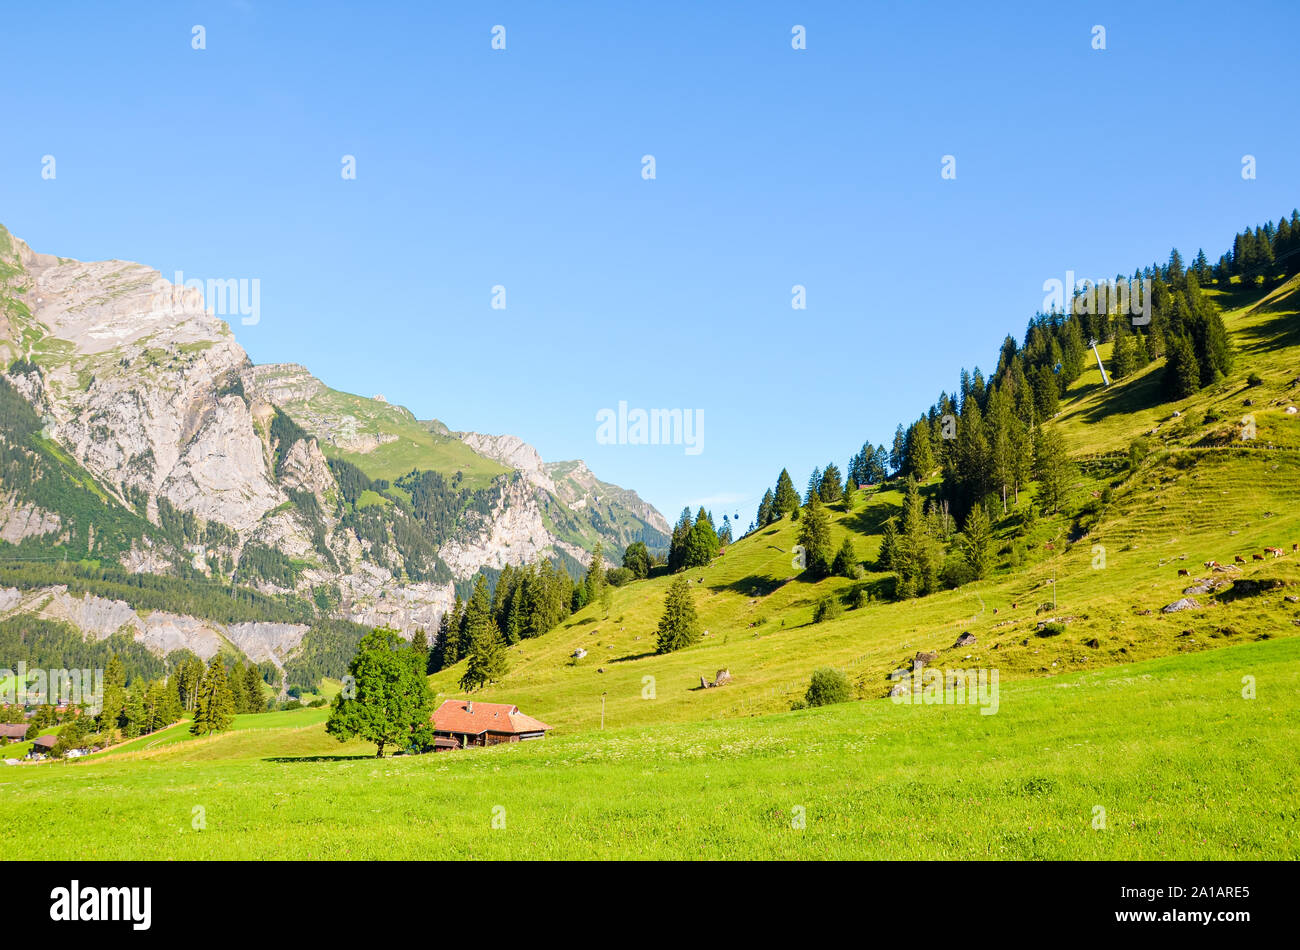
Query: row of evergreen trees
pixel 696 542
pixel 987 440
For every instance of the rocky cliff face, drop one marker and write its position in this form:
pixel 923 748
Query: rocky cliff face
pixel 199 460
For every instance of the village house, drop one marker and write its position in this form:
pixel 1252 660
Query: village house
pixel 42 746
pixel 460 723
pixel 14 731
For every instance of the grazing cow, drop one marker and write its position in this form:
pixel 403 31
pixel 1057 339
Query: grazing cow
pixel 1183 572
pixel 1240 559
pixel 1276 552
pixel 1257 557
pixel 1295 548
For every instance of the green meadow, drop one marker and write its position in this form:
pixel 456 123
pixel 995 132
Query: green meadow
pixel 1160 759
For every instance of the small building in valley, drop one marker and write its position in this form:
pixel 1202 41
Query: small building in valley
pixel 14 731
pixel 41 746
pixel 468 723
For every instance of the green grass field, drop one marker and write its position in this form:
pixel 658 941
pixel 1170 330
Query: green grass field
pixel 1181 763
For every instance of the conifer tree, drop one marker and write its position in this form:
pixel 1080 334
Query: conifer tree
pixel 255 700
pixel 1052 468
pixel 888 559
pixel 679 626
pixel 846 560
pixel 815 538
pixel 213 706
pixel 133 714
pixel 1182 371
pixel 114 700
pixel 828 489
pixel 786 499
pixel 814 485
pixel 594 582
pixel 977 539
pixel 238 695
pixel 487 649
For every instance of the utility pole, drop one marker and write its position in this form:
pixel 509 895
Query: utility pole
pixel 602 711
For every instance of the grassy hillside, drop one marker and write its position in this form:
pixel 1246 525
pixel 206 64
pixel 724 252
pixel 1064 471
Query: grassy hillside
pixel 398 443
pixel 1161 746
pixel 1200 495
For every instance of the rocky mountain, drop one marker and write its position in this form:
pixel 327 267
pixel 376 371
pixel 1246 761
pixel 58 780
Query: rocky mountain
pixel 136 437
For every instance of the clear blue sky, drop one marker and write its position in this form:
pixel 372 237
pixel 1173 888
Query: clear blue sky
pixel 522 168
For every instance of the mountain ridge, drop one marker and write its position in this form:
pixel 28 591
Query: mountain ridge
pixel 139 436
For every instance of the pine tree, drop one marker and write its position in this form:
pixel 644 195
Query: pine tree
pixel 846 560
pixel 1121 357
pixel 594 582
pixel 786 499
pixel 679 626
pixel 898 451
pixel 766 510
pixel 829 488
pixel 487 649
pixel 214 706
pixel 815 538
pixel 916 555
pixel 255 698
pixel 1182 371
pixel 814 485
pixel 918 454
pixel 447 650
pixel 134 718
pixel 420 645
pixel 168 708
pixel 114 701
pixel 977 539
pixel 238 695
pixel 1052 468
pixel 888 559
pixel 680 540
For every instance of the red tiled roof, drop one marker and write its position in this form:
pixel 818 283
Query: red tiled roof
pixel 454 715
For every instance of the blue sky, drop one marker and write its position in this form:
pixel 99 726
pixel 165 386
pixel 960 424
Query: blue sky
pixel 522 168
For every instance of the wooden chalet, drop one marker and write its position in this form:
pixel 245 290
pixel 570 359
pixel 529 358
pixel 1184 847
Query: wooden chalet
pixel 460 723
pixel 14 731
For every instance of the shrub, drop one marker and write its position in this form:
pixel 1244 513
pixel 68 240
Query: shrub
pixel 1052 630
pixel 619 576
pixel 1138 450
pixel 828 686
pixel 828 608
pixel 956 572
pixel 1254 379
pixel 859 597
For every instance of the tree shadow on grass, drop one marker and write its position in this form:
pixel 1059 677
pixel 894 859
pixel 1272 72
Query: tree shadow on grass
pixel 317 758
pixel 633 656
pixel 754 585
